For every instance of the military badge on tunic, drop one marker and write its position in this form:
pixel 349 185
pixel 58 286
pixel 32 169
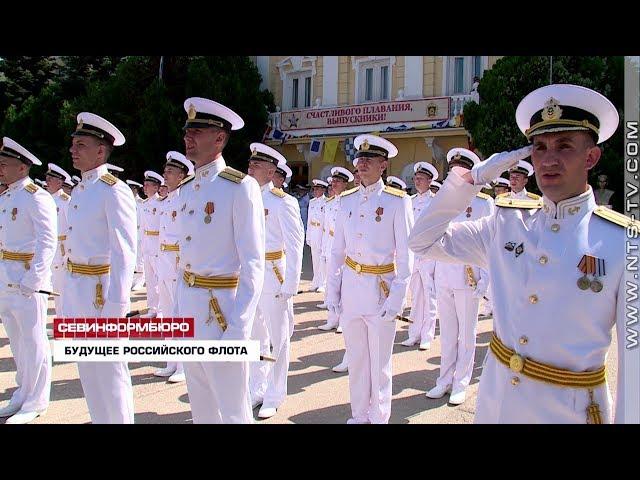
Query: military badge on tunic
pixel 519 250
pixel 590 265
pixel 173 216
pixel 208 209
pixel 379 213
pixel 266 212
pixel 469 210
pixel 509 246
pixel 14 213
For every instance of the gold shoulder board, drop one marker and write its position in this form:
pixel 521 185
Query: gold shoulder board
pixel 186 180
pixel 395 191
pixel 615 217
pixel 502 195
pixel 517 203
pixel 330 198
pixel 31 188
pixel 109 179
pixel 533 195
pixel 65 197
pixel 349 192
pixel 232 174
pixel 484 196
pixel 278 192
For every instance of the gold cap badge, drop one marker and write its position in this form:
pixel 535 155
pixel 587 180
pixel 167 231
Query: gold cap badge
pixel 191 114
pixel 551 110
pixel 364 145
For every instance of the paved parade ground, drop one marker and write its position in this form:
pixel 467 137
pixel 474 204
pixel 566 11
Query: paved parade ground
pixel 316 394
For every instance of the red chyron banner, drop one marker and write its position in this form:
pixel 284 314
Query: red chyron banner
pixel 123 328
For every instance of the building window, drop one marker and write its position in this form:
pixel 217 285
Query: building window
pixel 459 73
pixel 373 81
pixel 477 67
pixel 300 93
pixel 458 76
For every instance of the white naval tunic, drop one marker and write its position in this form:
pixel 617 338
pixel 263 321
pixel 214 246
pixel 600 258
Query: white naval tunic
pixel 27 225
pixel 101 231
pixel 422 285
pixel 58 269
pixel 274 317
pixel 368 336
pixel 458 308
pixel 167 263
pixel 315 219
pixel 151 249
pixel 539 311
pixel 231 244
pixel 138 276
pixel 331 207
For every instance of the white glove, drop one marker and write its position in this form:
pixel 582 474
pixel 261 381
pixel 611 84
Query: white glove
pixel 27 291
pixel 491 168
pixel 285 296
pixel 335 308
pixel 481 290
pixel 386 314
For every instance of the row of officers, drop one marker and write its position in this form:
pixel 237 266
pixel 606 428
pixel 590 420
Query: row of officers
pixel 226 249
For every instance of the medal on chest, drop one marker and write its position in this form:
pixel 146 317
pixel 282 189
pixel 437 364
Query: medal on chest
pixel 469 210
pixel 208 209
pixel 590 265
pixel 173 216
pixel 14 213
pixel 379 212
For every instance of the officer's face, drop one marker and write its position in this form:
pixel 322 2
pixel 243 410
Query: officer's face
pixel 163 190
pixel 86 152
pixel 370 169
pixel 602 183
pixel 67 189
pixel 53 183
pixel 500 189
pixel 562 161
pixel 172 177
pixel 339 185
pixel 150 188
pixel 203 144
pixel 11 170
pixel 422 181
pixel 278 180
pixel 263 172
pixel 318 192
pixel 517 181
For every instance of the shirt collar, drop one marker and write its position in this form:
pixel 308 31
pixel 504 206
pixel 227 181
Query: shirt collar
pixel 212 168
pixel 18 184
pixel 575 207
pixel 379 185
pixel 266 187
pixel 95 173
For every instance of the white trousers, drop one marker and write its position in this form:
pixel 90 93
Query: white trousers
pixel 273 326
pixel 106 385
pixel 369 342
pixel 167 283
pixel 423 307
pixel 25 320
pixel 458 310
pixel 57 278
pixel 218 391
pixel 318 268
pixel 151 277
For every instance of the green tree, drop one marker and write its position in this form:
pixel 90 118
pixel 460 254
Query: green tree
pixel 492 122
pixel 23 77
